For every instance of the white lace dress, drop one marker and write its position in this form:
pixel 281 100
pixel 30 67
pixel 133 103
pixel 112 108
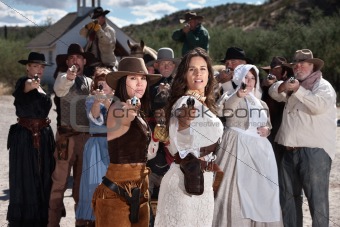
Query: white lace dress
pixel 175 206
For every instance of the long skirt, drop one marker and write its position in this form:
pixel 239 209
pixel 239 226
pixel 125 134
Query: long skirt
pixel 111 209
pixel 178 208
pixel 30 181
pixel 95 162
pixel 228 209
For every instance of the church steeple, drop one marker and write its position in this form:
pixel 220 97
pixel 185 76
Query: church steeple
pixel 84 9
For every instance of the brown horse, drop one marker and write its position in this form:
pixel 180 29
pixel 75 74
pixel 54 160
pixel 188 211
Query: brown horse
pixel 141 51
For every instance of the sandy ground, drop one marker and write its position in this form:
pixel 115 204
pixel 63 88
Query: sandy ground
pixel 7 117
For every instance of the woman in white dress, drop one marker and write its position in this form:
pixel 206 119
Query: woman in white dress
pixel 249 191
pixel 191 131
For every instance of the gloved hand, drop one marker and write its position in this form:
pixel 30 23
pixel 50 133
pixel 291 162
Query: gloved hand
pixel 97 27
pixel 90 25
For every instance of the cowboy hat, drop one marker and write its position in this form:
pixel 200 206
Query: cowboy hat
pixel 130 66
pixel 236 53
pixel 76 49
pixel 35 57
pixel 189 16
pixel 275 63
pixel 306 55
pixel 97 12
pixel 166 54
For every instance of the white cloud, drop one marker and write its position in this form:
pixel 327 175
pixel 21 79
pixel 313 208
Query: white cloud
pixel 126 3
pixel 46 4
pixel 14 17
pixel 119 22
pixel 152 12
pixel 194 6
pixel 189 1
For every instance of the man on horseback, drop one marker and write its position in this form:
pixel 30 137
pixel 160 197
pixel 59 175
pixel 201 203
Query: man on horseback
pixel 101 38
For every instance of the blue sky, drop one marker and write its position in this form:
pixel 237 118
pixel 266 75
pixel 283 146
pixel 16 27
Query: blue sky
pixel 123 12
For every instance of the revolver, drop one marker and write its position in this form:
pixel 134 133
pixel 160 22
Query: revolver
pixel 270 77
pixel 73 68
pixel 35 78
pixel 243 86
pixel 190 102
pixel 134 101
pixel 291 79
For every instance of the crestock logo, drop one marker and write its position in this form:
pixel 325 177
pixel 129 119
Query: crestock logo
pixel 243 113
pixel 85 128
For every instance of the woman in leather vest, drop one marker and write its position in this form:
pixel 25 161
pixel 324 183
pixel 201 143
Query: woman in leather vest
pixel 186 196
pixel 123 199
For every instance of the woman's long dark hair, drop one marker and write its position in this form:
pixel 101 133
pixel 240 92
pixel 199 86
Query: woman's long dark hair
pixel 179 85
pixel 122 94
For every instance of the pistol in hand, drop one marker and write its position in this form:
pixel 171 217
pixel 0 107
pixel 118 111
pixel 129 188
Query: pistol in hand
pixel 190 102
pixel 35 78
pixel 134 101
pixel 73 69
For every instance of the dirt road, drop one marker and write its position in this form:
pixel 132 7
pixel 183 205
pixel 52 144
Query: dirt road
pixel 7 117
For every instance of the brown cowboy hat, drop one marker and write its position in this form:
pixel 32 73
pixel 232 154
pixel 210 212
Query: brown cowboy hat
pixel 35 57
pixel 76 49
pixel 130 66
pixel 189 16
pixel 276 62
pixel 97 12
pixel 306 55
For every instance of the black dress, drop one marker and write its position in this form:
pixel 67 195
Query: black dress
pixel 30 169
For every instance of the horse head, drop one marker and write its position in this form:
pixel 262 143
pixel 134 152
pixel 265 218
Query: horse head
pixel 136 49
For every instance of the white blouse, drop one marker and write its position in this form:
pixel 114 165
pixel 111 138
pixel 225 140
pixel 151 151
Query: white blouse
pixel 204 130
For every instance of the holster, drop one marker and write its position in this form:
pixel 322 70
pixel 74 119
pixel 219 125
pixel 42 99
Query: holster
pixel 133 201
pixel 193 169
pixel 62 142
pixel 34 125
pixel 193 174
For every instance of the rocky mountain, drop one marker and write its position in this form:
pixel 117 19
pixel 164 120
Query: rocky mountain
pixel 246 16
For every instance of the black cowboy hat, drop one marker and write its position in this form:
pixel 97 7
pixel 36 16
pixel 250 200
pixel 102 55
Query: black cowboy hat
pixel 236 53
pixel 97 12
pixel 76 49
pixel 35 57
pixel 190 16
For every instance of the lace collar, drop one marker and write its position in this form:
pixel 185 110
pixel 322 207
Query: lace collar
pixel 196 95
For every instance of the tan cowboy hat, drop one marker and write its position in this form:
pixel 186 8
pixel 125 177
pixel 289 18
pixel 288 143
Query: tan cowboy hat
pixel 306 55
pixel 35 57
pixel 130 66
pixel 189 16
